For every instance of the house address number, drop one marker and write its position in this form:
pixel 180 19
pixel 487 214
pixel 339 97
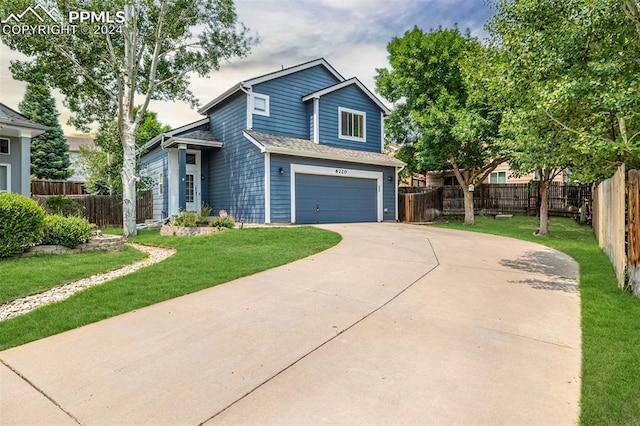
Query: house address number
pixel 341 171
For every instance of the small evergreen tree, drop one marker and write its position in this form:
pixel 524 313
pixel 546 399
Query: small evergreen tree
pixel 49 151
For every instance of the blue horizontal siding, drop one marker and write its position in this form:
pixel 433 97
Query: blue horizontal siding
pixel 236 172
pixel 154 163
pixel 288 115
pixel 281 184
pixel 350 97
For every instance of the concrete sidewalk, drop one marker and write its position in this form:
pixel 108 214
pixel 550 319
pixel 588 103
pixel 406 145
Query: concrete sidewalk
pixel 397 324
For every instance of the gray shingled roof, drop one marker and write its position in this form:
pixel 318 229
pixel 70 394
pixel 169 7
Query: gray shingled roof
pixel 10 116
pixel 280 144
pixel 201 135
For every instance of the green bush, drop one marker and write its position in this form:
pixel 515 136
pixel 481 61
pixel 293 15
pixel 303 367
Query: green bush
pixel 21 222
pixel 223 222
pixel 66 231
pixel 187 218
pixel 63 205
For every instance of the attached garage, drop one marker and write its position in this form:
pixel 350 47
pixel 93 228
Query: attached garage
pixel 334 195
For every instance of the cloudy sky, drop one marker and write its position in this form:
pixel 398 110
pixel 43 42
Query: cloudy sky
pixel 351 34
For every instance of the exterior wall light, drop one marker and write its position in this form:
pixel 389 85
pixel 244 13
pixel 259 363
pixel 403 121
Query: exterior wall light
pixel 281 170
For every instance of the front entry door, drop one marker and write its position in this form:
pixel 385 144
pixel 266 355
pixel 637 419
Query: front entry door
pixel 192 181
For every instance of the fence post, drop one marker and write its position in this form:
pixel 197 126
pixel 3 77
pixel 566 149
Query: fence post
pixel 633 248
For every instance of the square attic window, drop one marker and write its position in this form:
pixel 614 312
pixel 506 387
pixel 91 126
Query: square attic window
pixel 260 104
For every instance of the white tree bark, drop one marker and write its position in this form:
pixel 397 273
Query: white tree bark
pixel 129 180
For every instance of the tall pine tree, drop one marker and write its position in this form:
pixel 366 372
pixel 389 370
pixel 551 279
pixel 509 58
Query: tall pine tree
pixel 49 151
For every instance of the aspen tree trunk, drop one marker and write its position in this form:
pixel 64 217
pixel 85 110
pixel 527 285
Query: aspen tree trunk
pixel 127 129
pixel 129 181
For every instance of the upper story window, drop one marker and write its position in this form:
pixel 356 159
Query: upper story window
pixel 352 124
pixel 498 177
pixel 4 146
pixel 260 104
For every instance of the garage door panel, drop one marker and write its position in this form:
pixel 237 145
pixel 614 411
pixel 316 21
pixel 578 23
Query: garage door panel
pixel 327 199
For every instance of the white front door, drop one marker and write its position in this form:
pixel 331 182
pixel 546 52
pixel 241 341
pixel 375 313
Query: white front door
pixel 192 181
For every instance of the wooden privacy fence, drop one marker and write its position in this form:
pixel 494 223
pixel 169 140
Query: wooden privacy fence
pixel 616 224
pixel 564 200
pixel 420 204
pixel 633 241
pixel 106 210
pixel 57 187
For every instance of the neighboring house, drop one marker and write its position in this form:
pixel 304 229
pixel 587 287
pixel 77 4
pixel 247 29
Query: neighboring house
pixel 501 175
pixel 299 145
pixel 16 132
pixel 75 142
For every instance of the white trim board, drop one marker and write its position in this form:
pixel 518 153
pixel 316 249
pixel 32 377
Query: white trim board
pixel 8 167
pixel 336 172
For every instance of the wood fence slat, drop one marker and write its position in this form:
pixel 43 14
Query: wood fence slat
pixel 633 243
pixel 106 210
pixel 57 187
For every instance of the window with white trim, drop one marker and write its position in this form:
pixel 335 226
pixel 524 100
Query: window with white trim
pixel 352 124
pixel 4 146
pixel 260 104
pixel 498 177
pixel 160 183
pixel 5 178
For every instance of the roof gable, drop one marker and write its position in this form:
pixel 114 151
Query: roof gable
pixel 12 117
pixel 286 71
pixel 247 84
pixel 173 132
pixel 351 82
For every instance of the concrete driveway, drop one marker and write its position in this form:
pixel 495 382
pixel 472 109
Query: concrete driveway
pixel 397 324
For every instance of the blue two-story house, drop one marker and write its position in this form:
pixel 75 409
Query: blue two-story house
pixel 299 145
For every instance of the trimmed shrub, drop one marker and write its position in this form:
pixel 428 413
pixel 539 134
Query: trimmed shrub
pixel 187 218
pixel 66 231
pixel 223 222
pixel 21 223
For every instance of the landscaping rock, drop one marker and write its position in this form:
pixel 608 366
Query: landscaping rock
pixel 56 294
pixel 104 243
pixel 187 230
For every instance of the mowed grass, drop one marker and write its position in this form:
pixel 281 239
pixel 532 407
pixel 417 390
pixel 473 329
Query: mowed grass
pixel 610 319
pixel 24 277
pixel 200 262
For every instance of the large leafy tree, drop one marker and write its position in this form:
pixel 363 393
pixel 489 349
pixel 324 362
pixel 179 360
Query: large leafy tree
pixel 103 163
pixel 531 140
pixel 445 128
pixel 535 144
pixel 580 59
pixel 49 151
pixel 149 55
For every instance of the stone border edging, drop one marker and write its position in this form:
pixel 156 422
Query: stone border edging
pixel 24 305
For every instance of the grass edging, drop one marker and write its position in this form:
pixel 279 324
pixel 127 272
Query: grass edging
pixel 21 277
pixel 610 318
pixel 200 262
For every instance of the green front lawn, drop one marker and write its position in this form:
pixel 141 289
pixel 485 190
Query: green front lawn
pixel 610 319
pixel 24 277
pixel 200 262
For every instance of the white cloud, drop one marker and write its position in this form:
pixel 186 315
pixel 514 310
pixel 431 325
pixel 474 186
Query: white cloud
pixel 351 34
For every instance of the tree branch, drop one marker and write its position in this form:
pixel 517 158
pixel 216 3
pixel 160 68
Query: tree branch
pixel 154 64
pixel 85 73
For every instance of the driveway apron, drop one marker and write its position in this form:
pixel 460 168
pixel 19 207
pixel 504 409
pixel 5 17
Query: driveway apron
pixel 397 324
